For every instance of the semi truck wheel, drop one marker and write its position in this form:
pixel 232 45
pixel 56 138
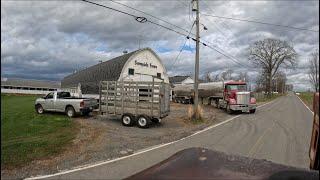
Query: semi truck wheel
pixel 39 109
pixel 143 121
pixel 229 111
pixel 127 120
pixel 252 111
pixel 70 111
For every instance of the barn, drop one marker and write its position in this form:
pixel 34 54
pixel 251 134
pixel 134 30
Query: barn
pixel 140 65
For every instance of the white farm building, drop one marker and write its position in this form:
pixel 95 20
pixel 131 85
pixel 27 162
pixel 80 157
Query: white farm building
pixel 140 65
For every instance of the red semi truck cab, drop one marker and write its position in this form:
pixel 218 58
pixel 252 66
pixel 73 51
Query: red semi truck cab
pixel 236 97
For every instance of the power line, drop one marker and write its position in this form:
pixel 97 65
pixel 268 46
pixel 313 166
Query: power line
pixel 137 18
pixel 149 15
pixel 143 20
pixel 175 60
pixel 259 22
pixel 159 24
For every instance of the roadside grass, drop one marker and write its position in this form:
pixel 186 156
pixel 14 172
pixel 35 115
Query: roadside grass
pixel 26 135
pixel 267 99
pixel 307 98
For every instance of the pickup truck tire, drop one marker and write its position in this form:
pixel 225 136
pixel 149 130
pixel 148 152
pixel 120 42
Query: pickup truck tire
pixel 127 120
pixel 39 109
pixel 252 111
pixel 70 111
pixel 143 121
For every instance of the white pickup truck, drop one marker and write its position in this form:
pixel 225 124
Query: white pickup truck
pixel 63 102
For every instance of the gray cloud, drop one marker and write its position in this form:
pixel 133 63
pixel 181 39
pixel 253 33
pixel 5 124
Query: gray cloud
pixel 50 39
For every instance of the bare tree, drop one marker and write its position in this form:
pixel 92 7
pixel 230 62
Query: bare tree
pixel 207 77
pixel 279 82
pixel 261 82
pixel 226 75
pixel 216 78
pixel 314 70
pixel 270 54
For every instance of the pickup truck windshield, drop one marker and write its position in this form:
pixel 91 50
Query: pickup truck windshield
pixel 62 95
pixel 237 87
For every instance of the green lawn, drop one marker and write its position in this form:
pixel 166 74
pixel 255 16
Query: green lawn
pixel 27 136
pixel 307 98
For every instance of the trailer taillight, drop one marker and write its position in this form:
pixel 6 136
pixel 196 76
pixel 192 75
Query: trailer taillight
pixel 81 104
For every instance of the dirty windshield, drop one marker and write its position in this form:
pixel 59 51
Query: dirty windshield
pixel 237 87
pixel 159 89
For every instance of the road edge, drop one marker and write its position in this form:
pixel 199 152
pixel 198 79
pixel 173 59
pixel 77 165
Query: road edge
pixel 305 104
pixel 88 166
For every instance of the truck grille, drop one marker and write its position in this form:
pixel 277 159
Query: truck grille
pixel 243 97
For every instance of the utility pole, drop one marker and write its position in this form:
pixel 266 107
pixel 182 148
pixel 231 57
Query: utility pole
pixel 196 114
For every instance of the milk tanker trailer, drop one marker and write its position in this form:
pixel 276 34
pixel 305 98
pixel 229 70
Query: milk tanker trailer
pixel 229 95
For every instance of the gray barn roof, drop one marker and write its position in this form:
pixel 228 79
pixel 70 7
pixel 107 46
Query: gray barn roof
pixel 106 71
pixel 15 82
pixel 177 79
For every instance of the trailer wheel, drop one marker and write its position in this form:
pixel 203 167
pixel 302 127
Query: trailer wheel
pixel 252 111
pixel 127 120
pixel 143 121
pixel 39 109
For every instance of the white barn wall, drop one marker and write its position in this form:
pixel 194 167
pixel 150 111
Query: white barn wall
pixel 146 57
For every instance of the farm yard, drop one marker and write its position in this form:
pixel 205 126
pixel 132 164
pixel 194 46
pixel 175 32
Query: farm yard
pixel 35 144
pixel 27 136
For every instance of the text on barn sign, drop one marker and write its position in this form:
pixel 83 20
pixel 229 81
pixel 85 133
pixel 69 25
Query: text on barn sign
pixel 145 64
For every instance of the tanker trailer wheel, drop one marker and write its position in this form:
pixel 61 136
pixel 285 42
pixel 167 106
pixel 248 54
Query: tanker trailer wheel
pixel 127 119
pixel 252 111
pixel 143 121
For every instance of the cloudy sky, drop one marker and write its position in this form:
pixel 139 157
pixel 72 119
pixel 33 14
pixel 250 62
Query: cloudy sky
pixel 51 39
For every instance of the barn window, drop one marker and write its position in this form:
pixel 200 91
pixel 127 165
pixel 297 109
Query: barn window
pixel 159 75
pixel 131 71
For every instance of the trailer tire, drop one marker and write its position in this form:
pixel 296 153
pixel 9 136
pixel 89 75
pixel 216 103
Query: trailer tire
pixel 39 109
pixel 127 119
pixel 70 111
pixel 143 121
pixel 252 111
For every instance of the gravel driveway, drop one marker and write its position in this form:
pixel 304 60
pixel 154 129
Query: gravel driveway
pixel 100 139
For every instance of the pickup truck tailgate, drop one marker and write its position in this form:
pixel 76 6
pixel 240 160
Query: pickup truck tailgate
pixel 89 102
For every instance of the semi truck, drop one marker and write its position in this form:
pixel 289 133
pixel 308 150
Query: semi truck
pixel 230 95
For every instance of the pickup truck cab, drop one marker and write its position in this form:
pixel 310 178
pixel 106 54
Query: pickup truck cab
pixel 63 102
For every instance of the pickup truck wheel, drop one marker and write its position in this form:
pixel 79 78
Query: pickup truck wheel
pixel 252 111
pixel 143 121
pixel 39 109
pixel 127 120
pixel 70 111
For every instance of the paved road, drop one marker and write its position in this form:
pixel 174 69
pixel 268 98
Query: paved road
pixel 279 131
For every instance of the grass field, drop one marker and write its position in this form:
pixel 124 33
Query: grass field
pixel 266 99
pixel 27 136
pixel 307 97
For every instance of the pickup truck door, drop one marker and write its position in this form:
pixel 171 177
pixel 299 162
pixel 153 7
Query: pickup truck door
pixel 60 102
pixel 49 101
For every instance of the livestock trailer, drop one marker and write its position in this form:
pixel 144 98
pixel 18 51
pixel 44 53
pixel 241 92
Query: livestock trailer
pixel 140 102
